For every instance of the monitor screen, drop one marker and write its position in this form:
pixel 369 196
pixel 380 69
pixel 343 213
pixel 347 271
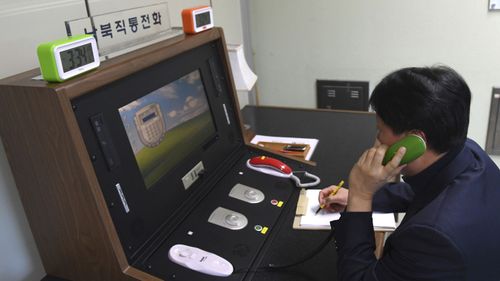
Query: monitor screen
pixel 149 127
pixel 167 124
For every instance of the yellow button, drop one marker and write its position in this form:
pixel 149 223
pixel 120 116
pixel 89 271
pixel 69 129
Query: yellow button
pixel 264 230
pixel 280 203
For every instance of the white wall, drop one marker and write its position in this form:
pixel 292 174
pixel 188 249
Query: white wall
pixel 296 42
pixel 228 15
pixel 25 24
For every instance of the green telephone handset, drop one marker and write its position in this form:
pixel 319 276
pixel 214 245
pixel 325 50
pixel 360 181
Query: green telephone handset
pixel 415 147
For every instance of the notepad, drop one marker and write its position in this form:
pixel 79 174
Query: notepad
pixel 311 143
pixel 306 217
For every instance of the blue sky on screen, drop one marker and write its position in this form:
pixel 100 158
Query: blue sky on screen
pixel 179 101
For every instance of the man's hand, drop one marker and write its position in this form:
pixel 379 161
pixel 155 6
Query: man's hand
pixel 368 175
pixel 336 202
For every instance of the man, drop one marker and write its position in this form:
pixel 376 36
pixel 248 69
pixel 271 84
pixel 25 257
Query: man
pixel 451 194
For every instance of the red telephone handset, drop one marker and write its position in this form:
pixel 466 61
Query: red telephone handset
pixel 269 162
pixel 275 167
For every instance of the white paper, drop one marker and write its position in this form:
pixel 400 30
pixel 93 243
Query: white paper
pixel 311 142
pixel 385 221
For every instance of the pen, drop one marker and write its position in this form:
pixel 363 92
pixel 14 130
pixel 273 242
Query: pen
pixel 331 194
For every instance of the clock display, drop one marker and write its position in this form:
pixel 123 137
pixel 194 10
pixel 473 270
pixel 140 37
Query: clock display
pixel 77 57
pixel 202 19
pixel 67 57
pixel 197 19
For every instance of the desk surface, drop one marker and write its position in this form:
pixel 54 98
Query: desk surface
pixel 343 136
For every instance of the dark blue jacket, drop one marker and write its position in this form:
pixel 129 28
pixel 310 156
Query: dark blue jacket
pixel 451 230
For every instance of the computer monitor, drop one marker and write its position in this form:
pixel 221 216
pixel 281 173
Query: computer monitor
pixel 165 125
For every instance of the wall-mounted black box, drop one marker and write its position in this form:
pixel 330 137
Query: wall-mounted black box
pixel 347 95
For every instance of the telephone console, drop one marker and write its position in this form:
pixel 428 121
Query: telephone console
pixel 241 211
pixel 186 104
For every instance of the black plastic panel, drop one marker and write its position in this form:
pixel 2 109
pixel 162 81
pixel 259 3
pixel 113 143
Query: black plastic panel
pixel 152 208
pixel 240 247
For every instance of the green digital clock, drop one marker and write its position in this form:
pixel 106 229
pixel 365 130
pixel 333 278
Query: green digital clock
pixel 65 58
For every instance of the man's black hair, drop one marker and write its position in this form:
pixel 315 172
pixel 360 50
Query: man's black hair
pixel 435 100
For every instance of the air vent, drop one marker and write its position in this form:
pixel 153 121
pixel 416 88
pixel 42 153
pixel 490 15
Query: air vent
pixel 347 95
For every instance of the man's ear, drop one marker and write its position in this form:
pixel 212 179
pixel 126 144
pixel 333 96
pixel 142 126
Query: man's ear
pixel 419 133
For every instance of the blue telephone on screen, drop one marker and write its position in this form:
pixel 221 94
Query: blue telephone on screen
pixel 415 147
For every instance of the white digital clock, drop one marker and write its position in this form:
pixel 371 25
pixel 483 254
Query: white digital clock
pixel 65 58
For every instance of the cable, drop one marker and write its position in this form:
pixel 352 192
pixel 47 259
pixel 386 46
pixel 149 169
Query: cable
pixel 304 259
pixel 298 182
pixel 271 266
